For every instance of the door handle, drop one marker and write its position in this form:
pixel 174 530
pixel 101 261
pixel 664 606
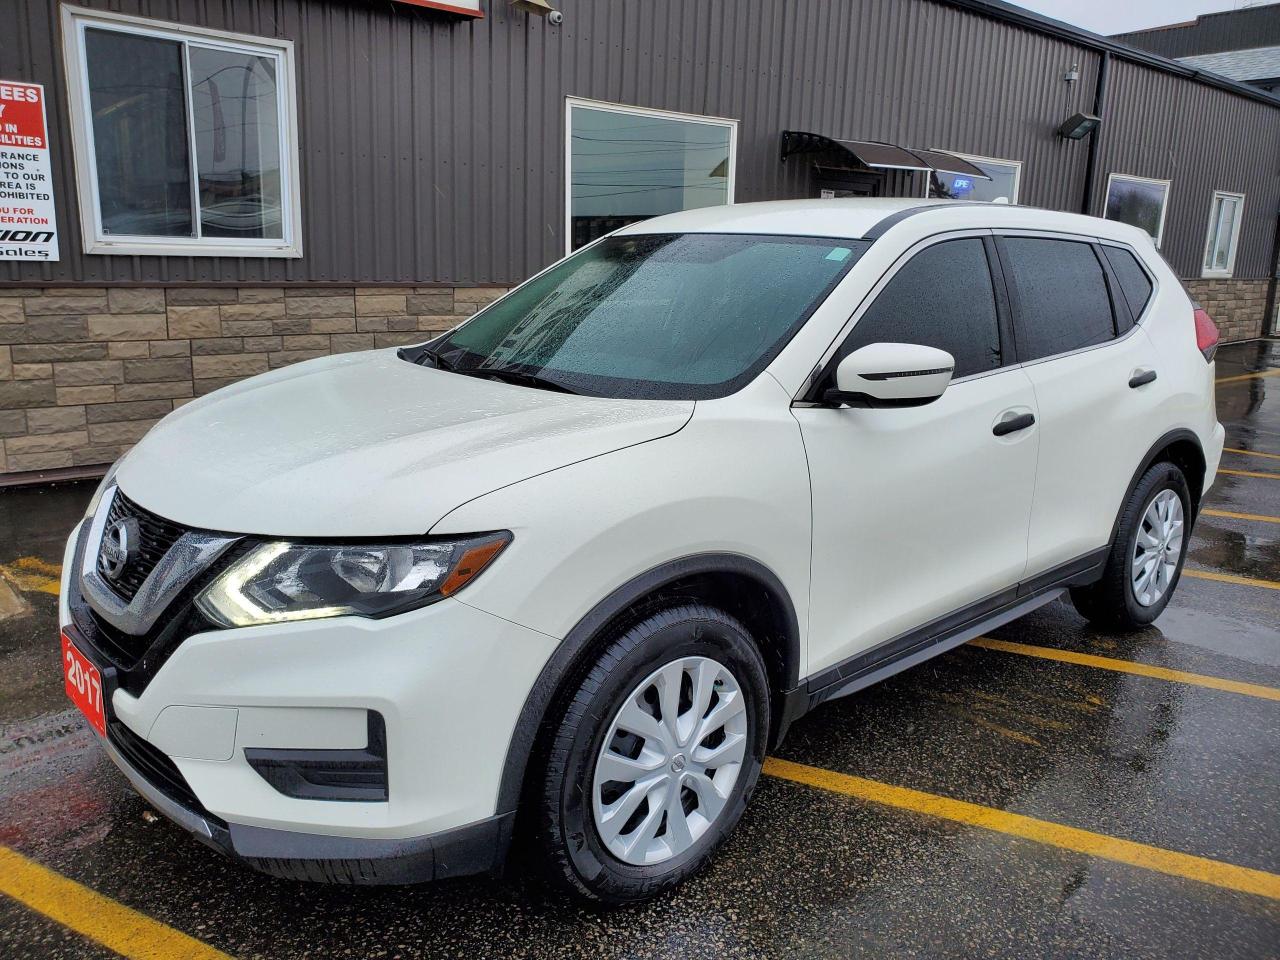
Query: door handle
pixel 1143 378
pixel 1013 424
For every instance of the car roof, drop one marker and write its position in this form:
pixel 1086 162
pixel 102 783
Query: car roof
pixel 870 217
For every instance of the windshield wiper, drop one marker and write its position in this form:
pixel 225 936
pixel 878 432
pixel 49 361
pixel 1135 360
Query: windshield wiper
pixel 424 356
pixel 518 377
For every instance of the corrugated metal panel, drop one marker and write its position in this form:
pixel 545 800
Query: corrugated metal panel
pixel 1210 33
pixel 432 147
pixel 1162 127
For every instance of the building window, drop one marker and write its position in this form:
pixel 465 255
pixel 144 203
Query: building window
pixel 627 164
pixel 1003 185
pixel 184 139
pixel 1224 230
pixel 1139 202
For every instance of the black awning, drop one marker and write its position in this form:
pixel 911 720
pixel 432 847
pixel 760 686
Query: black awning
pixel 874 155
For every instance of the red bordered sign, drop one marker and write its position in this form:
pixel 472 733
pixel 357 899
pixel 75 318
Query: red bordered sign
pixel 28 225
pixel 465 8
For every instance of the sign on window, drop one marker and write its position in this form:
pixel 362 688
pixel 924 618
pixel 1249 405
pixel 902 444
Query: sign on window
pixel 28 228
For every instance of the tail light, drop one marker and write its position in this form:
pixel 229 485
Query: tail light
pixel 1206 333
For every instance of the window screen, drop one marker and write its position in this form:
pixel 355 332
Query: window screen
pixel 941 298
pixel 1135 285
pixel 1060 296
pixel 141 147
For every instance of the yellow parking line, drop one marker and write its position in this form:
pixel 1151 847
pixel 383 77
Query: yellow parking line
pixel 1231 578
pixel 1241 516
pixel 1251 453
pixel 1248 376
pixel 1183 865
pixel 32 573
pixel 1127 666
pixel 90 914
pixel 1250 473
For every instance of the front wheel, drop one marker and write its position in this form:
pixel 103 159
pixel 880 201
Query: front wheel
pixel 655 756
pixel 1146 559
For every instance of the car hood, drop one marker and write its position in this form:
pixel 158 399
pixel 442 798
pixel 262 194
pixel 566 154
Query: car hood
pixel 366 445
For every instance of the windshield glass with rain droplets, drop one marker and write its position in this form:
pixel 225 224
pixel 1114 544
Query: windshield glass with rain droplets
pixel 674 316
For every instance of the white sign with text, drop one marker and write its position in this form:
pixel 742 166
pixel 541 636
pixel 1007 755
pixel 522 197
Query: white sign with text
pixel 28 227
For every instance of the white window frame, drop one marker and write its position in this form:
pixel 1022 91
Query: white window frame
pixel 582 103
pixel 1206 271
pixel 1164 206
pixel 74 22
pixel 974 158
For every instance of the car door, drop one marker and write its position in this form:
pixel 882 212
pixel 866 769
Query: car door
pixel 1092 373
pixel 920 511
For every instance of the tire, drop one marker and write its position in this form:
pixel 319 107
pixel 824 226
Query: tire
pixel 1115 602
pixel 695 643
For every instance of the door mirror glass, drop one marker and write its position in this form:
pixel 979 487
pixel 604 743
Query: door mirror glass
pixel 891 375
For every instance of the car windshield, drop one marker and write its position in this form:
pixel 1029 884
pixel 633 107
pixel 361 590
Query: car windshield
pixel 687 316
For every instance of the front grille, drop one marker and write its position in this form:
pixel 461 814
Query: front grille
pixel 157 536
pixel 156 768
pixel 124 649
pixel 137 658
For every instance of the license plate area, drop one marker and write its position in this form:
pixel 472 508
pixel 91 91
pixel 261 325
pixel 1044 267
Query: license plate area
pixel 84 684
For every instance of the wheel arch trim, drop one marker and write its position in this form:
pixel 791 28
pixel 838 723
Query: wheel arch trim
pixel 567 656
pixel 1148 458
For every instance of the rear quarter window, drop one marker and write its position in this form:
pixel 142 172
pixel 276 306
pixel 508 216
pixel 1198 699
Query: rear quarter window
pixel 1135 285
pixel 1060 295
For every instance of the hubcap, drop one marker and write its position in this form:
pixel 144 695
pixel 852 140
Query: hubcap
pixel 669 762
pixel 1157 548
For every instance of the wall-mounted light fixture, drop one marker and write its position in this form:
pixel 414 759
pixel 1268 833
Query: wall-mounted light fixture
pixel 1078 126
pixel 541 8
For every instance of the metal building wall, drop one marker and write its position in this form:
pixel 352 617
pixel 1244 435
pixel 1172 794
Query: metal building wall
pixel 1212 33
pixel 433 147
pixel 1160 126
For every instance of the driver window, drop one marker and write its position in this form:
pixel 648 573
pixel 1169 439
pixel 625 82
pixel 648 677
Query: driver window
pixel 942 297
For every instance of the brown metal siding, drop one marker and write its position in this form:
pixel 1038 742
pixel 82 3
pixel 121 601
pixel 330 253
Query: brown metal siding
pixel 1212 33
pixel 1202 140
pixel 432 147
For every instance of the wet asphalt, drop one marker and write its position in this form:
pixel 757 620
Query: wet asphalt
pixel 809 873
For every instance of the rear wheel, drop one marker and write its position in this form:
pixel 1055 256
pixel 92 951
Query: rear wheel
pixel 655 756
pixel 1146 559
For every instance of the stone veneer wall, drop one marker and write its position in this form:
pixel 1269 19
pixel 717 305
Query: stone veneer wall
pixel 1237 306
pixel 86 371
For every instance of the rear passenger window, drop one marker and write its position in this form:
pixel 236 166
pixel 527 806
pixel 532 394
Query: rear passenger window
pixel 941 298
pixel 1135 285
pixel 1060 296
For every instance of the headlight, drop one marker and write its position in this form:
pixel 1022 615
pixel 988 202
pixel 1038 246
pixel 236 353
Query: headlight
pixel 96 499
pixel 297 581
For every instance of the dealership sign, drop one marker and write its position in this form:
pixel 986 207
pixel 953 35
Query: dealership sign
pixel 28 228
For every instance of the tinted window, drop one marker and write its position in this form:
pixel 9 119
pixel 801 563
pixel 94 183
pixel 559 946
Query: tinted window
pixel 941 298
pixel 1135 285
pixel 689 316
pixel 1060 293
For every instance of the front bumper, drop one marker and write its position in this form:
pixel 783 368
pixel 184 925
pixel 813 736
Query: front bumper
pixel 448 680
pixel 476 848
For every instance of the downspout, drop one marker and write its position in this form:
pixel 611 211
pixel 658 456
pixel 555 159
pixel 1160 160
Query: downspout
pixel 1091 163
pixel 1270 327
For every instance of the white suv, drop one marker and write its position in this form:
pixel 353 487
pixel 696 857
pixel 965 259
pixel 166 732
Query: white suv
pixel 575 566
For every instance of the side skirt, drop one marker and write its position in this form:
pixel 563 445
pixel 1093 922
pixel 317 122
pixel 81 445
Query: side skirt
pixel 909 649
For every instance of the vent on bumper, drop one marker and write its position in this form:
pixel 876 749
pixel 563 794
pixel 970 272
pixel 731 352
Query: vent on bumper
pixel 156 768
pixel 352 775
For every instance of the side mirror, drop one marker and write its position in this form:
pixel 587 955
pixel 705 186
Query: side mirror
pixel 891 375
